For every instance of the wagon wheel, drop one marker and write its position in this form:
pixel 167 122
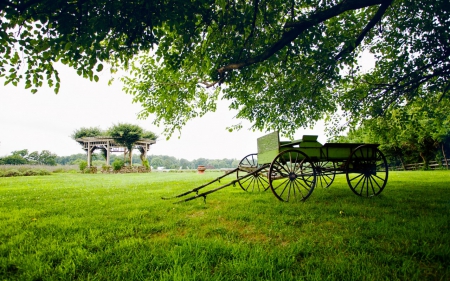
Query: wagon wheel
pixel 325 171
pixel 367 171
pixel 257 182
pixel 292 176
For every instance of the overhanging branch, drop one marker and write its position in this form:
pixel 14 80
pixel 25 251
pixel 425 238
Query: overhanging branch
pixel 366 30
pixel 297 28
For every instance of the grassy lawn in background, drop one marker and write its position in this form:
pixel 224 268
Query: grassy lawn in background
pixel 116 227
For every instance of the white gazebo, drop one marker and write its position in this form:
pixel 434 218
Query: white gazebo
pixel 90 144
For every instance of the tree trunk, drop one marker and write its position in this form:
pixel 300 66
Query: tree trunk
pixel 445 157
pixel 426 161
pixel 403 163
pixel 131 158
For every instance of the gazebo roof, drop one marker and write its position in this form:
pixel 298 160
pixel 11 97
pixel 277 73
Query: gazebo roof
pixel 103 140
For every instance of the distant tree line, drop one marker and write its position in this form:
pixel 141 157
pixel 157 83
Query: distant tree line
pixel 171 162
pixel 22 157
pixel 168 162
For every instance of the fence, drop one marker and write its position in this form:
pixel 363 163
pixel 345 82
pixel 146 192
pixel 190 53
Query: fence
pixel 432 165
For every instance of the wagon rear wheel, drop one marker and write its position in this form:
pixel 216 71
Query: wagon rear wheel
pixel 292 176
pixel 367 171
pixel 256 182
pixel 326 171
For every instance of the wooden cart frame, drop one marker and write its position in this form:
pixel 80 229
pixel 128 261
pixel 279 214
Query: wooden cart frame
pixel 293 169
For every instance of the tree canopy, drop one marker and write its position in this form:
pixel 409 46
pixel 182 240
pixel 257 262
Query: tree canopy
pixel 416 130
pixel 282 64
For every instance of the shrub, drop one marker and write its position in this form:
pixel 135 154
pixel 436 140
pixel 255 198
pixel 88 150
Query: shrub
pixel 43 172
pixel 31 172
pixel 90 170
pixel 146 164
pixel 105 168
pixel 118 164
pixel 59 170
pixel 65 169
pixel 82 165
pixel 12 173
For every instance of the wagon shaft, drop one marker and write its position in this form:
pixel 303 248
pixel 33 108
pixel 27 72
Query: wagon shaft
pixel 255 174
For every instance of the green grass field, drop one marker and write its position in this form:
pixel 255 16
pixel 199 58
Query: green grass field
pixel 116 227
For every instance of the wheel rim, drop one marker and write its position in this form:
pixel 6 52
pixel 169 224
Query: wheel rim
pixel 254 183
pixel 367 171
pixel 292 176
pixel 325 171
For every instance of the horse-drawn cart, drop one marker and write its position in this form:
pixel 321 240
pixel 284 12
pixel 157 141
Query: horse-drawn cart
pixel 293 169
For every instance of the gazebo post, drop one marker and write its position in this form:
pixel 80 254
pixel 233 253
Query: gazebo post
pixel 146 148
pixel 131 157
pixel 89 154
pixel 108 147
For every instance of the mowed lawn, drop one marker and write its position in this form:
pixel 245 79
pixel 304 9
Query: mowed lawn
pixel 117 227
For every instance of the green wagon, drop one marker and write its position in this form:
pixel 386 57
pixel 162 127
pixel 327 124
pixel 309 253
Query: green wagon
pixel 293 169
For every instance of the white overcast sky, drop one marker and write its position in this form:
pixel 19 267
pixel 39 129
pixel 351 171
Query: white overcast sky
pixel 45 121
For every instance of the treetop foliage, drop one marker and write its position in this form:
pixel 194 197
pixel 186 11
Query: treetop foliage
pixel 126 134
pixel 282 64
pixel 87 132
pixel 116 131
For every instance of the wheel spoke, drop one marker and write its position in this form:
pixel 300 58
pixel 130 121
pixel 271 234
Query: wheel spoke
pixel 285 186
pixel 362 186
pixel 295 187
pixel 376 182
pixel 278 165
pixel 326 173
pixel 378 177
pixel 359 175
pixel 251 183
pixel 263 182
pixel 305 186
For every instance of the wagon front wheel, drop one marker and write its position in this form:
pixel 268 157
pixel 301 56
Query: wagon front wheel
pixel 367 171
pixel 256 182
pixel 292 176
